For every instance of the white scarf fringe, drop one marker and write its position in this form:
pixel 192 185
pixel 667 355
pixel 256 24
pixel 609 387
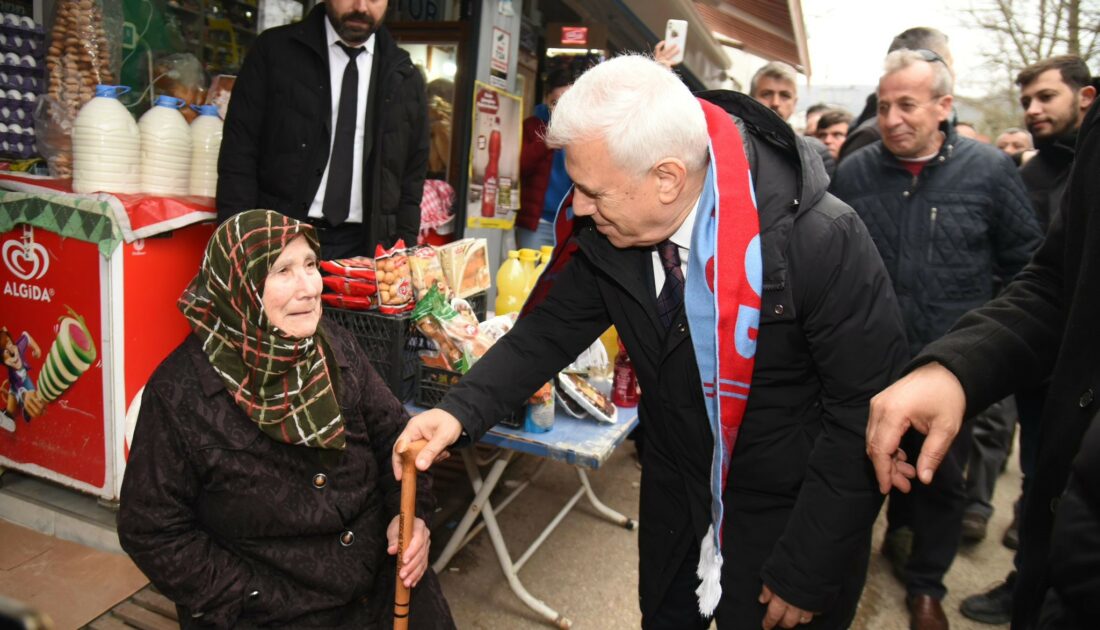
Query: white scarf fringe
pixel 710 572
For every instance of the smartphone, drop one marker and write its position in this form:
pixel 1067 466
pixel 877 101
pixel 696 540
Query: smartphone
pixel 676 32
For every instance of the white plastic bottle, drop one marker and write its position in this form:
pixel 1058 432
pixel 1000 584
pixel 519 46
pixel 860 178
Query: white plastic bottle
pixel 165 149
pixel 106 145
pixel 206 141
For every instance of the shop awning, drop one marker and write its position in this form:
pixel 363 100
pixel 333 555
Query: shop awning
pixel 772 29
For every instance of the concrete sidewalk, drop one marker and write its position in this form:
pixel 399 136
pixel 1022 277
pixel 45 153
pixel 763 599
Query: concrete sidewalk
pixel 587 569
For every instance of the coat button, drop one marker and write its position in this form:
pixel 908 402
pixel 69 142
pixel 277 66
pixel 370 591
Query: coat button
pixel 905 193
pixel 778 309
pixel 347 538
pixel 320 480
pixel 303 145
pixel 254 595
pixel 682 328
pixel 1086 398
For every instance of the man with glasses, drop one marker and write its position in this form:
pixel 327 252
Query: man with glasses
pixel 946 213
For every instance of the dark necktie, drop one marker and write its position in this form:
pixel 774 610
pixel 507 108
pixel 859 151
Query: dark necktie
pixel 340 166
pixel 672 293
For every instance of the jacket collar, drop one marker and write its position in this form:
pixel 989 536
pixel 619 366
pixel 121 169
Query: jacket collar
pixel 947 150
pixel 211 383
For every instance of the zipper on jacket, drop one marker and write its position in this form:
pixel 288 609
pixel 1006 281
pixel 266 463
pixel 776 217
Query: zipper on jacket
pixel 931 232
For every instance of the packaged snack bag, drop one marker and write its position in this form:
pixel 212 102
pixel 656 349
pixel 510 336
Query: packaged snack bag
pixel 395 292
pixel 360 267
pixel 427 271
pixel 350 302
pixel 466 266
pixel 350 286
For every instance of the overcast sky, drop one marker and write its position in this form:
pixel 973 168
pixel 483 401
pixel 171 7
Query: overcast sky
pixel 848 39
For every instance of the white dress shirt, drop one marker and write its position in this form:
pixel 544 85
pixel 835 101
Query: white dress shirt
pixel 682 238
pixel 337 63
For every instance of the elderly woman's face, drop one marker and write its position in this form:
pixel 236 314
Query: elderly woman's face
pixel 292 291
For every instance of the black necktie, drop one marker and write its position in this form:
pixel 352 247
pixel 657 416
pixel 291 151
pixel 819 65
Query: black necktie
pixel 672 293
pixel 340 166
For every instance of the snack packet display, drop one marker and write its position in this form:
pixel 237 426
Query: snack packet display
pixel 350 302
pixel 539 413
pixel 350 286
pixel 466 266
pixel 427 271
pixel 360 267
pixel 587 396
pixel 395 291
pixel 458 336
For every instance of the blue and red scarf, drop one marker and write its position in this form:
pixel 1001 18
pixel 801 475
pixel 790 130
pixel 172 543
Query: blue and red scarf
pixel 722 299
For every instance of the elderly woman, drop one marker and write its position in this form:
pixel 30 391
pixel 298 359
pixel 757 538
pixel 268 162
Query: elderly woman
pixel 257 492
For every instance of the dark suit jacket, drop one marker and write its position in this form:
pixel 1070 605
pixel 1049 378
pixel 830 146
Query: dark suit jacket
pixel 278 127
pixel 801 496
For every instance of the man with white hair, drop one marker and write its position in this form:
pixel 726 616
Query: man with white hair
pixel 946 213
pixel 759 319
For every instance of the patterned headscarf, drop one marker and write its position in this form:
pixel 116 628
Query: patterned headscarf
pixel 283 383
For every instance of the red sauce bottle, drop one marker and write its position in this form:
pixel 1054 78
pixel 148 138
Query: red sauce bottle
pixel 489 190
pixel 624 388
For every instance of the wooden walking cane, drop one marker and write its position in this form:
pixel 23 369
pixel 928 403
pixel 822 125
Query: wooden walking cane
pixel 402 593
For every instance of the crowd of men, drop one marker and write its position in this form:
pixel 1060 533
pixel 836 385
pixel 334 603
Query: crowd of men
pixel 877 245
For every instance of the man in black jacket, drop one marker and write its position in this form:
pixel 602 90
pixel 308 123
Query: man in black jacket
pixel 1043 324
pixel 796 531
pixel 349 161
pixel 947 214
pixel 1055 94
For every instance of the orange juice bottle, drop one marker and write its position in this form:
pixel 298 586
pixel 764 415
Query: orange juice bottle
pixel 511 285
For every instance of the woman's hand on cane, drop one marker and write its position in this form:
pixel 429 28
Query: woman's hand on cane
pixel 416 553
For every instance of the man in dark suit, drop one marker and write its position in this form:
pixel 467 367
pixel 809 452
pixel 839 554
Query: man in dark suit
pixel 798 502
pixel 328 124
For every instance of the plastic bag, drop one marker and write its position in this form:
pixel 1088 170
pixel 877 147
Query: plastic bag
pixel 84 51
pixel 180 75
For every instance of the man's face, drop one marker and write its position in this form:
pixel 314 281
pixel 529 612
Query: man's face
pixel 777 94
pixel 909 114
pixel 833 137
pixel 627 209
pixel 355 20
pixel 1013 143
pixel 1052 108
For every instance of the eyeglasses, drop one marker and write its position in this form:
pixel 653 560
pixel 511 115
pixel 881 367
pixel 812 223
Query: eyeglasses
pixel 929 56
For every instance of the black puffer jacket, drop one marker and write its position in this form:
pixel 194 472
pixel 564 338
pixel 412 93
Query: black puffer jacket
pixel 801 496
pixel 946 233
pixel 278 128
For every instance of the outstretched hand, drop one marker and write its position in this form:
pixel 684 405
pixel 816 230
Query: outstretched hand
pixel 438 427
pixel 929 399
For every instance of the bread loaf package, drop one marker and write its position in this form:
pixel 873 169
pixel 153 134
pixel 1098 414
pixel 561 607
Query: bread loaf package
pixel 427 271
pixel 466 266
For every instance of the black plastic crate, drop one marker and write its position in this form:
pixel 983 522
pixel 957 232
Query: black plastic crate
pixel 432 385
pixel 390 343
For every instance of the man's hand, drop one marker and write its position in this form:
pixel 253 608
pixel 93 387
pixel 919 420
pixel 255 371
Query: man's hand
pixel 438 427
pixel 929 399
pixel 416 552
pixel 780 613
pixel 664 53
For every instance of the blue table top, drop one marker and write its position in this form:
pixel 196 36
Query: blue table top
pixel 578 441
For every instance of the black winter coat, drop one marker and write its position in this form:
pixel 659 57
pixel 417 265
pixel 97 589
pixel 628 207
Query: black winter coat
pixel 1046 322
pixel 945 235
pixel 240 530
pixel 801 496
pixel 277 132
pixel 1046 176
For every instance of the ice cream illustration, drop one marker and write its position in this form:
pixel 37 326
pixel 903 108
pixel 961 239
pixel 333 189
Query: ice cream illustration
pixel 72 353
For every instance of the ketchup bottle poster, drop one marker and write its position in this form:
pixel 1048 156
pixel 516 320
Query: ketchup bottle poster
pixel 51 382
pixel 492 198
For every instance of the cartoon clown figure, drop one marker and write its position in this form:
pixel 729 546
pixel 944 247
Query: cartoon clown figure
pixel 19 392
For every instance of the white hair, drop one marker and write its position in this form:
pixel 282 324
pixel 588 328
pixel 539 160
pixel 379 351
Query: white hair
pixel 638 107
pixel 943 83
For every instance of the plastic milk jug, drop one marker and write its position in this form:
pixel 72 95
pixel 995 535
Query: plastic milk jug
pixel 106 145
pixel 511 285
pixel 165 149
pixel 206 140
